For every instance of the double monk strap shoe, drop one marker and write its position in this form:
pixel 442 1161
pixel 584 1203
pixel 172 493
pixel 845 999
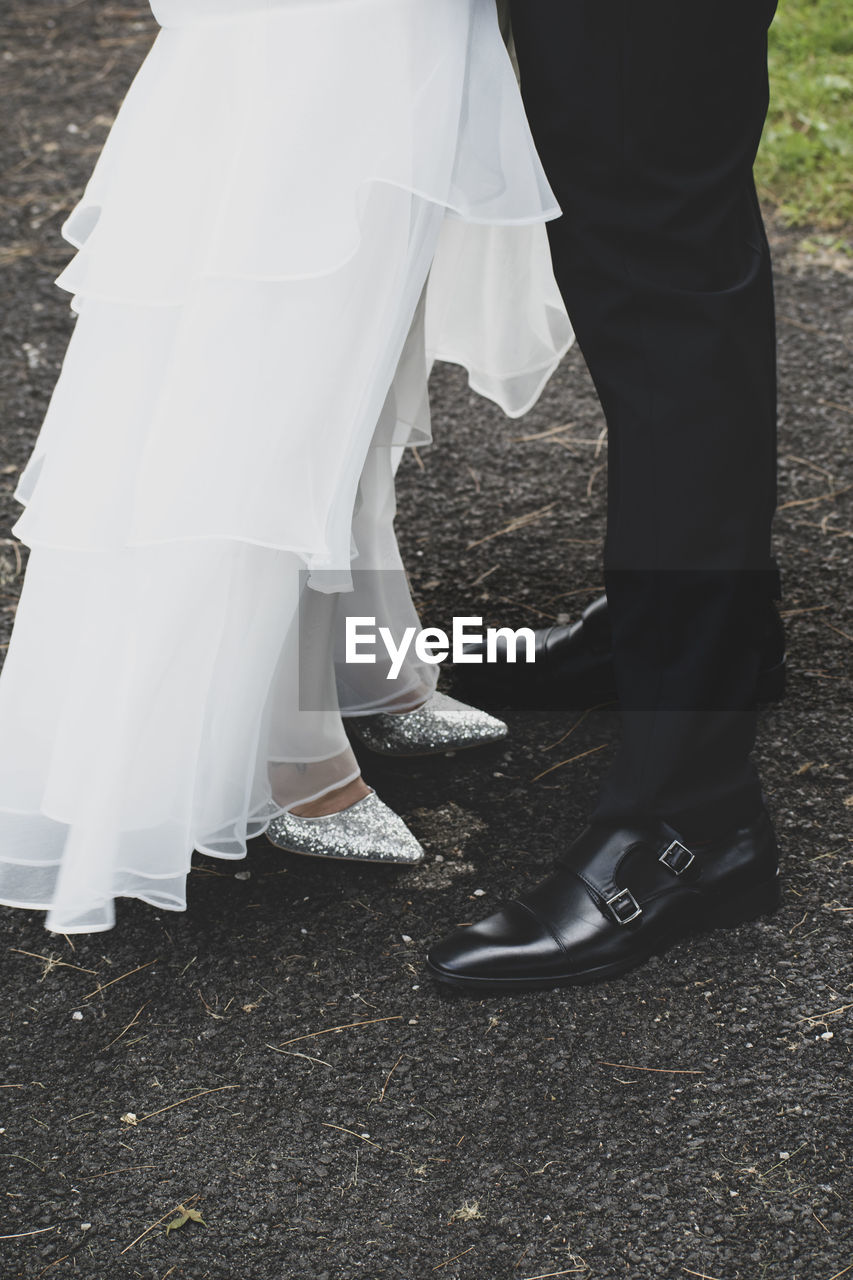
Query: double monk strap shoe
pixel 618 897
pixel 573 664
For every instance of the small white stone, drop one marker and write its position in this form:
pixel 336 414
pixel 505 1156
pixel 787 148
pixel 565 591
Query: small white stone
pixel 129 1117
pixel 406 937
pixel 73 128
pixel 305 931
pixel 416 987
pixel 827 1035
pixel 243 875
pixel 85 1226
pixel 77 1015
pixel 784 1155
pixel 34 356
pixel 479 893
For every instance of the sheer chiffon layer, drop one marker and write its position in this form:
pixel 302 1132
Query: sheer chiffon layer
pixel 299 207
pixel 247 229
pixel 177 694
pixel 243 413
pixel 140 724
pixel 247 146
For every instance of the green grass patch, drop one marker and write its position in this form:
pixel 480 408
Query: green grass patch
pixel 804 165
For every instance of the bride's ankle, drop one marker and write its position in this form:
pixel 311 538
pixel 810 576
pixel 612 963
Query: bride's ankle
pixel 409 703
pixel 334 801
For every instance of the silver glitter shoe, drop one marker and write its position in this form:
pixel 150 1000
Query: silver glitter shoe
pixel 368 831
pixel 440 725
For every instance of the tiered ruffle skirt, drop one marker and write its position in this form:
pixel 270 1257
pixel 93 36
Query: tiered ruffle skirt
pixel 300 206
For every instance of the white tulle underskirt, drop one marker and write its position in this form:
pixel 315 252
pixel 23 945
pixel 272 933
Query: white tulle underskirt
pixel 301 205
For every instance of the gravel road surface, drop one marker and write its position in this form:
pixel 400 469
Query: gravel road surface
pixel 276 1059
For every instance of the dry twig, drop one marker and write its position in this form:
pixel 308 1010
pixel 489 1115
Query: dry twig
pixel 844 634
pixel 448 1261
pixel 664 1071
pixel 345 1027
pixel 811 502
pixel 571 760
pixel 126 1029
pixel 520 522
pixel 50 963
pixel 388 1077
pixel 352 1134
pixel 294 1054
pixel 141 1236
pixel 120 978
pixel 181 1102
pixel 19 1235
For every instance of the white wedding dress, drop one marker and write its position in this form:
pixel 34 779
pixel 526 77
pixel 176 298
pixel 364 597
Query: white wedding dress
pixel 301 205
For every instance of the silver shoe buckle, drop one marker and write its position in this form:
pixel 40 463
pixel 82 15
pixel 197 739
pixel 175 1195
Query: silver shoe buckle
pixel 677 858
pixel 624 907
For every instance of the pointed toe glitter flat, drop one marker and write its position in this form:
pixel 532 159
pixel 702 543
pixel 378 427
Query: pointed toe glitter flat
pixel 368 831
pixel 440 725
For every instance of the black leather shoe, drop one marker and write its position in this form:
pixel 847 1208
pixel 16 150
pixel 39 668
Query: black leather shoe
pixel 618 897
pixel 573 665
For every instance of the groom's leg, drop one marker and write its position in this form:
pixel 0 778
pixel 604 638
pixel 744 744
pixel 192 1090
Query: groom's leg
pixel 647 114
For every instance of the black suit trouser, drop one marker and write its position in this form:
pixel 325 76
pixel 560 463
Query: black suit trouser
pixel 647 115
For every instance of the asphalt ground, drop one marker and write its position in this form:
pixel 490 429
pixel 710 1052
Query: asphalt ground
pixel 690 1119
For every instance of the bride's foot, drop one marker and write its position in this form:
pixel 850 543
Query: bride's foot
pixel 366 830
pixel 335 801
pixel 441 724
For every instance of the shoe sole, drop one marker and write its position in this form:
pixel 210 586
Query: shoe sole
pixel 344 857
pixel 422 755
pixel 764 899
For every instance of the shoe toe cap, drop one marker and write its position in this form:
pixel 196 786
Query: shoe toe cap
pixel 510 945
